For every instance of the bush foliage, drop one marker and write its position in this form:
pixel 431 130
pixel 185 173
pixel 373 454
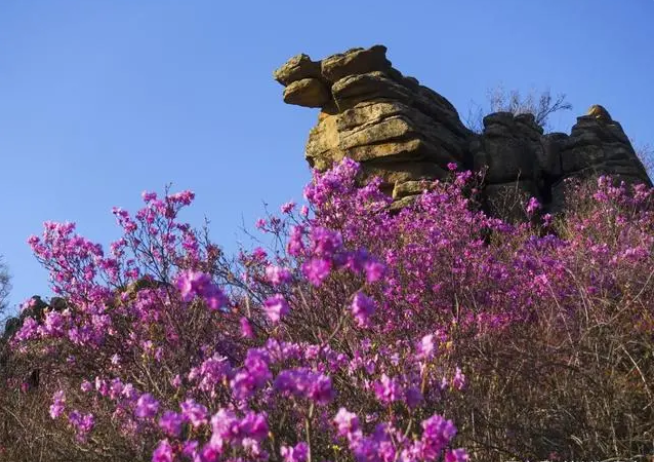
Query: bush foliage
pixel 435 333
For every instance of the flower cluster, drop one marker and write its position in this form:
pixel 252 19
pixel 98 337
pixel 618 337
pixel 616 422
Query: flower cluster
pixel 362 308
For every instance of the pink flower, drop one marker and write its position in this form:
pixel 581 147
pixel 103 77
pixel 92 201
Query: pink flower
pixel 316 270
pixel 163 452
pixel 58 404
pixel 387 390
pixel 288 207
pixel 146 406
pixel 275 307
pixel 426 347
pixel 374 271
pixel 171 423
pixel 346 422
pixel 363 308
pixel 277 275
pixel 298 453
pixel 456 455
pixel 148 196
pixel 459 380
pixel 246 328
pixel 533 205
pixel 195 413
pixel 195 283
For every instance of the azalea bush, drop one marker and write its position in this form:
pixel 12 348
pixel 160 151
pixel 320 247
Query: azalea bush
pixel 435 333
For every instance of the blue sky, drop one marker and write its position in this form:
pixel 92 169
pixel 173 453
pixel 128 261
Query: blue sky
pixel 100 100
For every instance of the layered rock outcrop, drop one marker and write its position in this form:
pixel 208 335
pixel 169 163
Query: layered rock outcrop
pixel 408 134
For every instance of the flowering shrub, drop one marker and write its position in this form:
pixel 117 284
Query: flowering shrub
pixel 359 339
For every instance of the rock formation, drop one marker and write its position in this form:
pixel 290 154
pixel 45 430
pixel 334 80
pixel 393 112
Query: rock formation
pixel 407 134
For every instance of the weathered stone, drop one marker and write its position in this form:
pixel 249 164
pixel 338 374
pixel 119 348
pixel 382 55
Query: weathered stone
pixel 411 188
pixel 509 200
pixel 397 151
pixel 353 89
pixel 498 118
pixel 402 203
pixel 12 325
pixel 590 129
pixel 323 143
pixel 508 152
pixel 307 93
pixel 58 303
pixel 597 148
pixel 406 133
pixel 392 172
pixel 548 157
pixel 367 114
pixel 355 61
pixel 297 68
pixel 527 127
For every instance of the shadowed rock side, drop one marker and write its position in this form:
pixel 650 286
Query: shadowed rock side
pixel 407 134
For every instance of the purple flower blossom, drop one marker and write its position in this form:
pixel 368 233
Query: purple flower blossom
pixel 275 307
pixel 246 328
pixel 176 382
pixel 346 422
pixel 374 271
pixel 288 207
pixel 387 390
pixel 54 324
pixel 426 347
pixel 316 270
pixel 456 455
pixel 533 205
pixel 298 453
pixel 305 383
pixel 413 397
pixel 82 424
pixel 163 452
pixel 243 385
pixel 195 413
pixel 146 406
pixel 437 434
pixel 459 380
pixel 362 308
pixel 277 275
pixel 28 330
pixel 254 426
pixel 320 390
pixel 195 283
pixel 326 242
pixel 171 423
pixel 225 427
pixel 148 196
pixel 58 404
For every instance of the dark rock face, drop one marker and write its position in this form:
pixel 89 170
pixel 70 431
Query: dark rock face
pixel 406 133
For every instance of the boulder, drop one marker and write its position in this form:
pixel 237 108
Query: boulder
pixel 407 134
pixel 355 61
pixel 307 92
pixel 411 188
pixel 297 68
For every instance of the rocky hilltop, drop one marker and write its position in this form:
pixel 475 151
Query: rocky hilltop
pixel 407 133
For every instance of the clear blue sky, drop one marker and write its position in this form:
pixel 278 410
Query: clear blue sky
pixel 100 100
